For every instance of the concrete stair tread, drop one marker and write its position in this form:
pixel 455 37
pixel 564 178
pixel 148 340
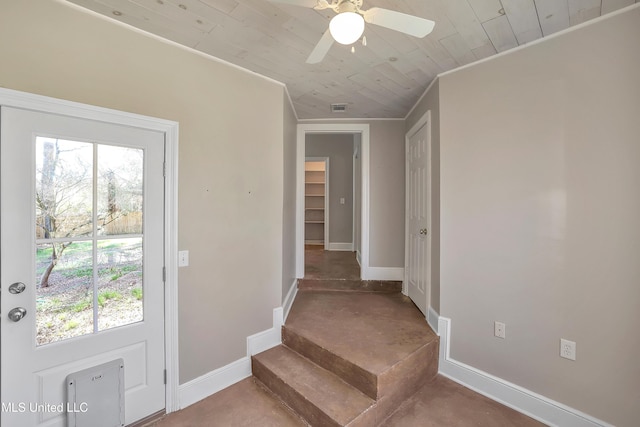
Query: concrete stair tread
pixel 384 334
pixel 314 386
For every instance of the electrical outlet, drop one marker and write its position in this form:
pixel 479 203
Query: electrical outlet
pixel 499 329
pixel 567 349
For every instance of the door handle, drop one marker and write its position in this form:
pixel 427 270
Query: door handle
pixel 16 314
pixel 17 288
pixel 423 231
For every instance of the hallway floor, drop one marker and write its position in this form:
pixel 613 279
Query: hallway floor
pixel 321 264
pixel 391 326
pixel 441 403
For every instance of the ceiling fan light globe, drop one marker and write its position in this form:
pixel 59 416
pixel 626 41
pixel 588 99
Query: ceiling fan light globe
pixel 346 27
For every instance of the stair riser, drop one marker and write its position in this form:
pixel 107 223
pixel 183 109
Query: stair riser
pixel 366 419
pixel 403 380
pixel 408 375
pixel 350 285
pixel 305 409
pixel 310 413
pixel 354 375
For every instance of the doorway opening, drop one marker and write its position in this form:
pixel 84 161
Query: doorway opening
pixel 353 202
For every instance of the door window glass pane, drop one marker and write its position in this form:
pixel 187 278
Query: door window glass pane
pixel 119 282
pixel 64 291
pixel 120 173
pixel 64 182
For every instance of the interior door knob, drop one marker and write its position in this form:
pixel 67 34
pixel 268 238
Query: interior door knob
pixel 16 314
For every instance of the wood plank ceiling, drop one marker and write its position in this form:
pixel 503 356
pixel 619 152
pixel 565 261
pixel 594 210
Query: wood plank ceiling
pixel 381 80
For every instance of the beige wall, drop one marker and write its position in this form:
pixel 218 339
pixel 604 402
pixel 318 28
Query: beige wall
pixel 339 149
pixel 289 198
pixel 230 158
pixel 540 152
pixel 386 219
pixel 431 102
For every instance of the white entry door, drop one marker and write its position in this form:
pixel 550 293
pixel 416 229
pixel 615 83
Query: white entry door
pixel 418 217
pixel 81 250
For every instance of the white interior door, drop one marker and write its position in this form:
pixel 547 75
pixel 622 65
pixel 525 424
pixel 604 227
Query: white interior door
pixel 81 222
pixel 418 218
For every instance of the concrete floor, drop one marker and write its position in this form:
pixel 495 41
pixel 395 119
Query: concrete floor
pixel 441 402
pixel 243 404
pixel 321 264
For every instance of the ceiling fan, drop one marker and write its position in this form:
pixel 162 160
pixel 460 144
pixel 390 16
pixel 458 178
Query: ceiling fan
pixel 348 25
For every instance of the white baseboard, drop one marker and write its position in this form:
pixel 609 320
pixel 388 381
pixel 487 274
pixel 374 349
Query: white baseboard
pixel 221 378
pixel 383 273
pixel 288 301
pixel 512 395
pixel 214 381
pixel 335 246
pixel 262 341
pixel 359 258
pixel 432 319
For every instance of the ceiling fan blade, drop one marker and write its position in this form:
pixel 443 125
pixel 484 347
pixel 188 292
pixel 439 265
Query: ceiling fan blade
pixel 408 24
pixel 317 4
pixel 321 48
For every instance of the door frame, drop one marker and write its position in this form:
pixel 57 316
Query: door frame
pixel 315 128
pixel 29 101
pixel 354 157
pixel 424 121
pixel 325 231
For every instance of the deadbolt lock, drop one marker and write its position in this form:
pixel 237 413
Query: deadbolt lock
pixel 17 288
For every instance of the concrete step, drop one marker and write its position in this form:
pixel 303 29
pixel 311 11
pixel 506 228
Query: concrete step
pixel 317 395
pixel 348 285
pixel 389 386
pixel 350 372
pixel 349 358
pixel 377 342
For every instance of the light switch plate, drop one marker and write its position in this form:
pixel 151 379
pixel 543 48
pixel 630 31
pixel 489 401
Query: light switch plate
pixel 183 258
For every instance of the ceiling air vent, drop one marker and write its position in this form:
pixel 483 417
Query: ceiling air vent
pixel 338 108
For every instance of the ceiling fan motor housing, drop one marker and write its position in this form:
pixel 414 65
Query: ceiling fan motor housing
pixel 347 6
